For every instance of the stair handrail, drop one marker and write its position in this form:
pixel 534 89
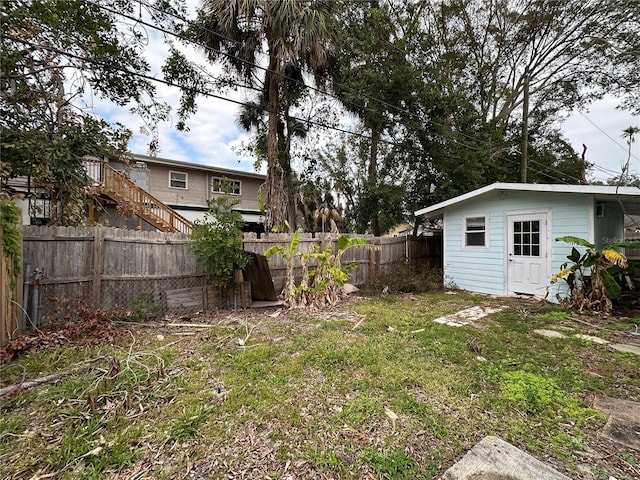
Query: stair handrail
pixel 116 181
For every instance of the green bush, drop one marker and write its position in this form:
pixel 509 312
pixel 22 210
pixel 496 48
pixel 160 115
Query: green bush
pixel 10 223
pixel 217 242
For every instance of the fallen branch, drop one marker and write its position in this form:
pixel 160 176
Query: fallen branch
pixel 46 379
pixel 195 325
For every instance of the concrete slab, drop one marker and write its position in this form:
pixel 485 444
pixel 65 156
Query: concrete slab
pixel 623 347
pixel 467 316
pixel 623 431
pixel 591 338
pixel 617 407
pixel 549 333
pixel 495 459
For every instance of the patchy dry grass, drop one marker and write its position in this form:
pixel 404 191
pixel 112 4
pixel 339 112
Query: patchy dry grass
pixel 265 395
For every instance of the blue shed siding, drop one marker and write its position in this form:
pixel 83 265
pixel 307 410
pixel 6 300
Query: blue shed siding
pixel 484 270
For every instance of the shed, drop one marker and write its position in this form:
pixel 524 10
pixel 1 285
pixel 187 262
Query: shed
pixel 501 239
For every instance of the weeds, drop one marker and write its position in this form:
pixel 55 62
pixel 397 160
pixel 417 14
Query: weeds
pixel 188 425
pixel 309 396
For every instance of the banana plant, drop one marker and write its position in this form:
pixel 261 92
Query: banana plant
pixel 593 276
pixel 322 284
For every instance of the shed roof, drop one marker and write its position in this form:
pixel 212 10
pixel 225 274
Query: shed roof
pixel 629 196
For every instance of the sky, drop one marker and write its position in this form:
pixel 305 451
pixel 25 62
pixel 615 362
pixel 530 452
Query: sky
pixel 214 137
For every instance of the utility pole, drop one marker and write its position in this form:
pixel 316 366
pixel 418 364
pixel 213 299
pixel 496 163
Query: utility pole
pixel 525 128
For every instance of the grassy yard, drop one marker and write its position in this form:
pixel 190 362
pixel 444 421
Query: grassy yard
pixel 277 394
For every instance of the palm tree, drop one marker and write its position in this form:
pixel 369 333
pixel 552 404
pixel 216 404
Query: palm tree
pixel 292 34
pixel 629 134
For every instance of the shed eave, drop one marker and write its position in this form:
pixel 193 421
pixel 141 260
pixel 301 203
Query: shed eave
pixel 629 195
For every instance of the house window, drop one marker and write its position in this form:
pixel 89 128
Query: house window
pixel 225 185
pixel 178 180
pixel 475 232
pixel 526 238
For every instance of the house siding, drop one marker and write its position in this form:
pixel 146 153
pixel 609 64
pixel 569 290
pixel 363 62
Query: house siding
pixel 484 270
pixel 475 269
pixel 194 194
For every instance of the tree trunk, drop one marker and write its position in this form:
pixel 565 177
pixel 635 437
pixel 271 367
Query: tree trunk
pixel 274 197
pixel 373 182
pixel 284 148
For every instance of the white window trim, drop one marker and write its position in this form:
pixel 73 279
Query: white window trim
pixel 486 231
pixel 222 179
pixel 186 180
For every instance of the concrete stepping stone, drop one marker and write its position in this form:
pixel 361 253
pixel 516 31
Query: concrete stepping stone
pixel 591 338
pixel 622 431
pixel 549 333
pixel 623 425
pixel 622 347
pixel 494 459
pixel 617 407
pixel 467 316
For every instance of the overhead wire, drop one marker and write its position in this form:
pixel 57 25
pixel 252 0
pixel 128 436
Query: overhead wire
pixel 607 135
pixel 219 97
pixel 311 87
pixel 310 122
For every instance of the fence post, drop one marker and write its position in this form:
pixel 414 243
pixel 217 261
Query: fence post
pixel 97 265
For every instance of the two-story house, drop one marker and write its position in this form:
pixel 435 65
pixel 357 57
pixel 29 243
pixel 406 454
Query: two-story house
pixel 187 187
pixel 151 193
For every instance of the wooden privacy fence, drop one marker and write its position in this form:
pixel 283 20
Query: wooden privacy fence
pixel 420 251
pixel 134 272
pixel 154 272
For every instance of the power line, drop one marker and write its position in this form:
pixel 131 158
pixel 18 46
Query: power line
pixel 219 97
pixel 302 83
pixel 379 101
pixel 212 95
pixel 607 135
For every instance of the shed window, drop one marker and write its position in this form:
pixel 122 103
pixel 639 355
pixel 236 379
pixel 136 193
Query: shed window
pixel 225 185
pixel 178 180
pixel 475 232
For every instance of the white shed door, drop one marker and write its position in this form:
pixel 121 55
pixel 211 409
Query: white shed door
pixel 527 254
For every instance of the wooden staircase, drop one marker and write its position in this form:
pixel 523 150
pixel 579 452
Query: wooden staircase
pixel 130 197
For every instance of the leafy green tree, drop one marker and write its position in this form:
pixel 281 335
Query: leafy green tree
pixel 53 52
pixel 373 78
pixel 295 36
pixel 566 53
pixel 217 241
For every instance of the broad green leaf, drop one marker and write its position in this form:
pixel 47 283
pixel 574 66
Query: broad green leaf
pixel 273 250
pixel 613 289
pixel 345 241
pixel 576 241
pixel 633 245
pixel 294 243
pixel 575 255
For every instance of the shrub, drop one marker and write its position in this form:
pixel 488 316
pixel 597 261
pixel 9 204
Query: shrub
pixel 9 222
pixel 217 242
pixel 593 277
